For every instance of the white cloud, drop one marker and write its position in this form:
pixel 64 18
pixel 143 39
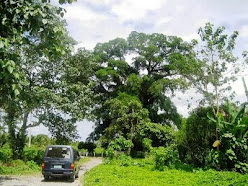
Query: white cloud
pixel 244 31
pixel 164 20
pixel 82 13
pixel 134 10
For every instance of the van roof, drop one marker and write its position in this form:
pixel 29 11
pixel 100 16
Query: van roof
pixel 68 146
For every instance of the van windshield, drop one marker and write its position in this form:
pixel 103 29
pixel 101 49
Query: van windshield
pixel 58 152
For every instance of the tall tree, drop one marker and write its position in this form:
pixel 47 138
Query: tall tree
pixel 160 67
pixel 164 63
pixel 220 65
pixel 33 39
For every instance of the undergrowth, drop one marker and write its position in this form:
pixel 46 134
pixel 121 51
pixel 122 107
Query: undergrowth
pixel 142 172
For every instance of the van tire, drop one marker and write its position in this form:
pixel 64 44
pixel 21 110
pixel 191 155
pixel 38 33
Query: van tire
pixel 77 174
pixel 46 178
pixel 72 179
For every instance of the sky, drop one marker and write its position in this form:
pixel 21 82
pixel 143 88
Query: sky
pixel 96 21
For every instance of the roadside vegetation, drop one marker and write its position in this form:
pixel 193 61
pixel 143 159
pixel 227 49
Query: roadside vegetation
pixel 141 172
pixel 43 77
pixel 32 157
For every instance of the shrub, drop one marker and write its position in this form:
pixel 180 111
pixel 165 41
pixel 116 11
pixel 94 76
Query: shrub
pixel 121 144
pixel 164 156
pixel 83 151
pixel 124 160
pixel 110 152
pixel 32 165
pixel 147 144
pixel 5 155
pixel 99 150
pixel 33 154
pixel 160 135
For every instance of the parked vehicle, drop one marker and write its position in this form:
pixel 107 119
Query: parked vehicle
pixel 61 161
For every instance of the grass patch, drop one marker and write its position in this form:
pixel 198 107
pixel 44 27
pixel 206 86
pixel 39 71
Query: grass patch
pixel 141 172
pixel 19 167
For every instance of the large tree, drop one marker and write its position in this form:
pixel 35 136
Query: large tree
pixel 33 42
pixel 161 66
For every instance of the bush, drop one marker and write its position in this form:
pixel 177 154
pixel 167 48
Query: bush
pixel 158 135
pixel 83 152
pixel 110 152
pixel 164 156
pixel 33 154
pixel 5 155
pixel 32 165
pixel 124 160
pixel 121 144
pixel 99 151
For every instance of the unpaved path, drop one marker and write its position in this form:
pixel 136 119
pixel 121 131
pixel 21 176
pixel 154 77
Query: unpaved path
pixel 37 180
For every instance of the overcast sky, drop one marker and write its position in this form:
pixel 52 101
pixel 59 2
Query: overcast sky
pixel 93 21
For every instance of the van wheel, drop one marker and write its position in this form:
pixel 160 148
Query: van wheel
pixel 46 177
pixel 77 174
pixel 73 178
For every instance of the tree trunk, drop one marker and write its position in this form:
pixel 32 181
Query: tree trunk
pixel 17 139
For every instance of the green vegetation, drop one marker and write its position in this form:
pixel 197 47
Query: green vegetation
pixel 140 172
pixel 43 77
pixel 30 165
pixel 19 167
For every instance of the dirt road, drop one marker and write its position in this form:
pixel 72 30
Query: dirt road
pixel 39 181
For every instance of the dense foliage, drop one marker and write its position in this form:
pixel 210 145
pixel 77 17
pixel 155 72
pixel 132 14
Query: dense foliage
pixel 233 150
pixel 196 137
pixel 33 46
pixel 124 85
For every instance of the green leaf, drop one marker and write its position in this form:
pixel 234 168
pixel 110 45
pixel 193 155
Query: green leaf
pixel 44 21
pixel 16 92
pixel 10 69
pixel 1 44
pixel 16 75
pixel 227 135
pixel 18 11
pixel 4 20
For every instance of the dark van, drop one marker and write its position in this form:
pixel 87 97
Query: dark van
pixel 61 161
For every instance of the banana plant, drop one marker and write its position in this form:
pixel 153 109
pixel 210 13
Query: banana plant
pixel 233 131
pixel 232 122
